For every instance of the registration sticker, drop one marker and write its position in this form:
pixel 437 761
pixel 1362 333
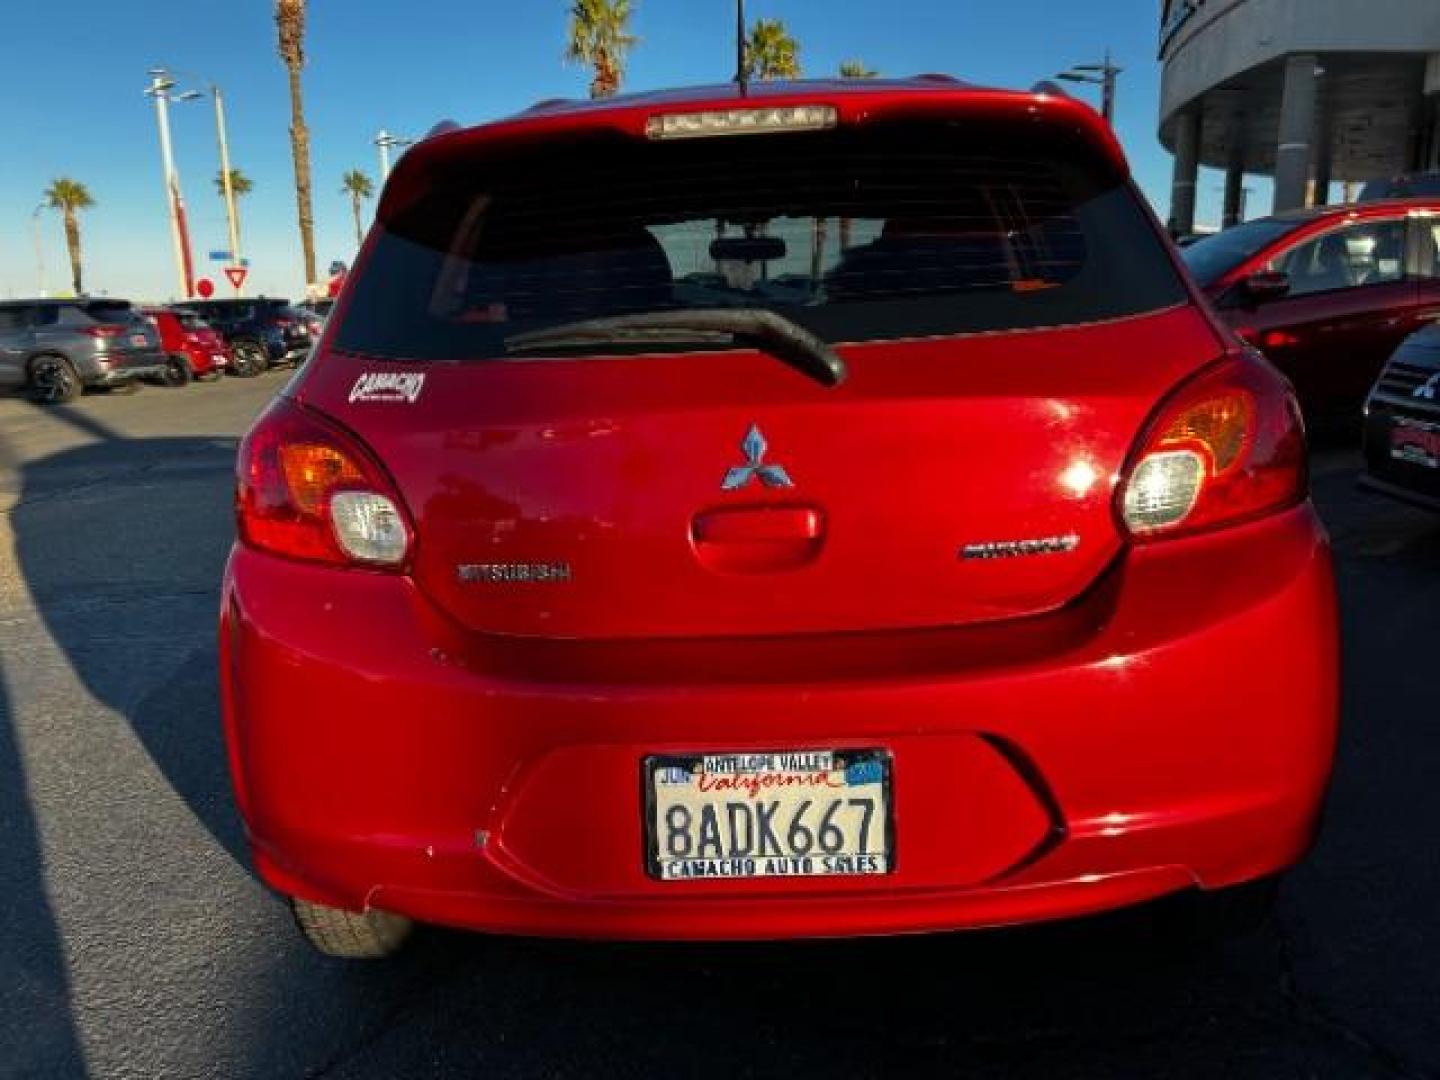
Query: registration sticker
pixel 792 813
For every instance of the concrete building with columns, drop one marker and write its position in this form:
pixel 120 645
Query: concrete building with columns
pixel 1309 92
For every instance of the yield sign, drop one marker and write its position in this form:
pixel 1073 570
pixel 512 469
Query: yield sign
pixel 236 274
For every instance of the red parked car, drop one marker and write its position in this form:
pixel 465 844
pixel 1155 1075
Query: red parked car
pixel 823 511
pixel 193 349
pixel 1327 294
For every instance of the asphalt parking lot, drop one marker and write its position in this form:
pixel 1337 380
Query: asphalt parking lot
pixel 134 940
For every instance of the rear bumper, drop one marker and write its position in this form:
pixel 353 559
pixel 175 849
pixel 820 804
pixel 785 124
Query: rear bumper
pixel 204 360
pixel 105 370
pixel 1408 481
pixel 287 350
pixel 1174 728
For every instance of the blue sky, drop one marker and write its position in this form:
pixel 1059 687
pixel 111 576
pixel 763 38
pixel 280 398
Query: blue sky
pixel 71 101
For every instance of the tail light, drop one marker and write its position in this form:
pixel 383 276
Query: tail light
pixel 1226 446
pixel 284 324
pixel 307 490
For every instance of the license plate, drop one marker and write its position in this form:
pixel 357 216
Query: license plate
pixel 1415 442
pixel 794 813
pixel 138 340
pixel 218 359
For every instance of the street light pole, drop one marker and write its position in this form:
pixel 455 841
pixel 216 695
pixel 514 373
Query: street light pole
pixel 1101 75
pixel 160 87
pixel 226 181
pixel 1107 89
pixel 39 250
pixel 384 141
pixel 740 44
pixel 234 220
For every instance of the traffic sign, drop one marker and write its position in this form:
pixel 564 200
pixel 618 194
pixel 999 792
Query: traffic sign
pixel 205 287
pixel 236 274
pixel 225 257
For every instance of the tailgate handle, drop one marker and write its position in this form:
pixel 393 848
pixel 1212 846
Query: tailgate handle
pixel 758 539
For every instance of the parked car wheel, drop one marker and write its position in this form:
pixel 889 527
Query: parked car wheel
pixel 54 381
pixel 177 371
pixel 351 935
pixel 250 359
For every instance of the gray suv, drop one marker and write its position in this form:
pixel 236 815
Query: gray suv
pixel 56 348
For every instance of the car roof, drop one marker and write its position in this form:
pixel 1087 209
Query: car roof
pixel 855 100
pixel 221 301
pixel 57 301
pixel 1374 208
pixel 729 93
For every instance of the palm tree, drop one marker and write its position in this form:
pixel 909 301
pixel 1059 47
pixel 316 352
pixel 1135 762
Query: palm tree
pixel 358 186
pixel 69 196
pixel 290 30
pixel 599 37
pixel 771 53
pixel 239 184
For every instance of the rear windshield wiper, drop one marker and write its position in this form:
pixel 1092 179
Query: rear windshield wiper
pixel 783 338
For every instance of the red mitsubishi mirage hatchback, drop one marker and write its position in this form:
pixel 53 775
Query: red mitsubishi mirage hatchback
pixel 829 510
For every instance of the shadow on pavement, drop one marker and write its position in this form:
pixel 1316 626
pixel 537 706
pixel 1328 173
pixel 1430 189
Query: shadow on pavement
pixel 137 557
pixel 122 543
pixel 37 1032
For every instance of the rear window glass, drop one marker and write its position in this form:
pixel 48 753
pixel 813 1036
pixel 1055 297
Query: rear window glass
pixel 223 309
pixel 14 318
pixel 887 232
pixel 109 311
pixel 1215 256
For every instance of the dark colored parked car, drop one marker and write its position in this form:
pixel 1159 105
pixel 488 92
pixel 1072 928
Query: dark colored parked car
pixel 1411 186
pixel 316 312
pixel 59 347
pixel 1402 423
pixel 192 349
pixel 1327 294
pixel 261 332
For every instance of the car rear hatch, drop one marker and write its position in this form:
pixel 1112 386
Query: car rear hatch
pixel 1402 418
pixel 129 339
pixel 1006 311
pixel 293 326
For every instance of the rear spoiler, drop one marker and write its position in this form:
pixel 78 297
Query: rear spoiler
pixel 628 119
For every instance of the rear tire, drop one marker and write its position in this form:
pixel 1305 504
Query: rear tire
pixel 351 935
pixel 1199 918
pixel 177 371
pixel 249 359
pixel 54 381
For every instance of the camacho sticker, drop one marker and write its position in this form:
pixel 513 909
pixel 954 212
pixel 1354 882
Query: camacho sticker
pixel 389 386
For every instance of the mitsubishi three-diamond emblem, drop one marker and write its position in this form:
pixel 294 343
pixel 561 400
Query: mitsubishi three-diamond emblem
pixel 753 446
